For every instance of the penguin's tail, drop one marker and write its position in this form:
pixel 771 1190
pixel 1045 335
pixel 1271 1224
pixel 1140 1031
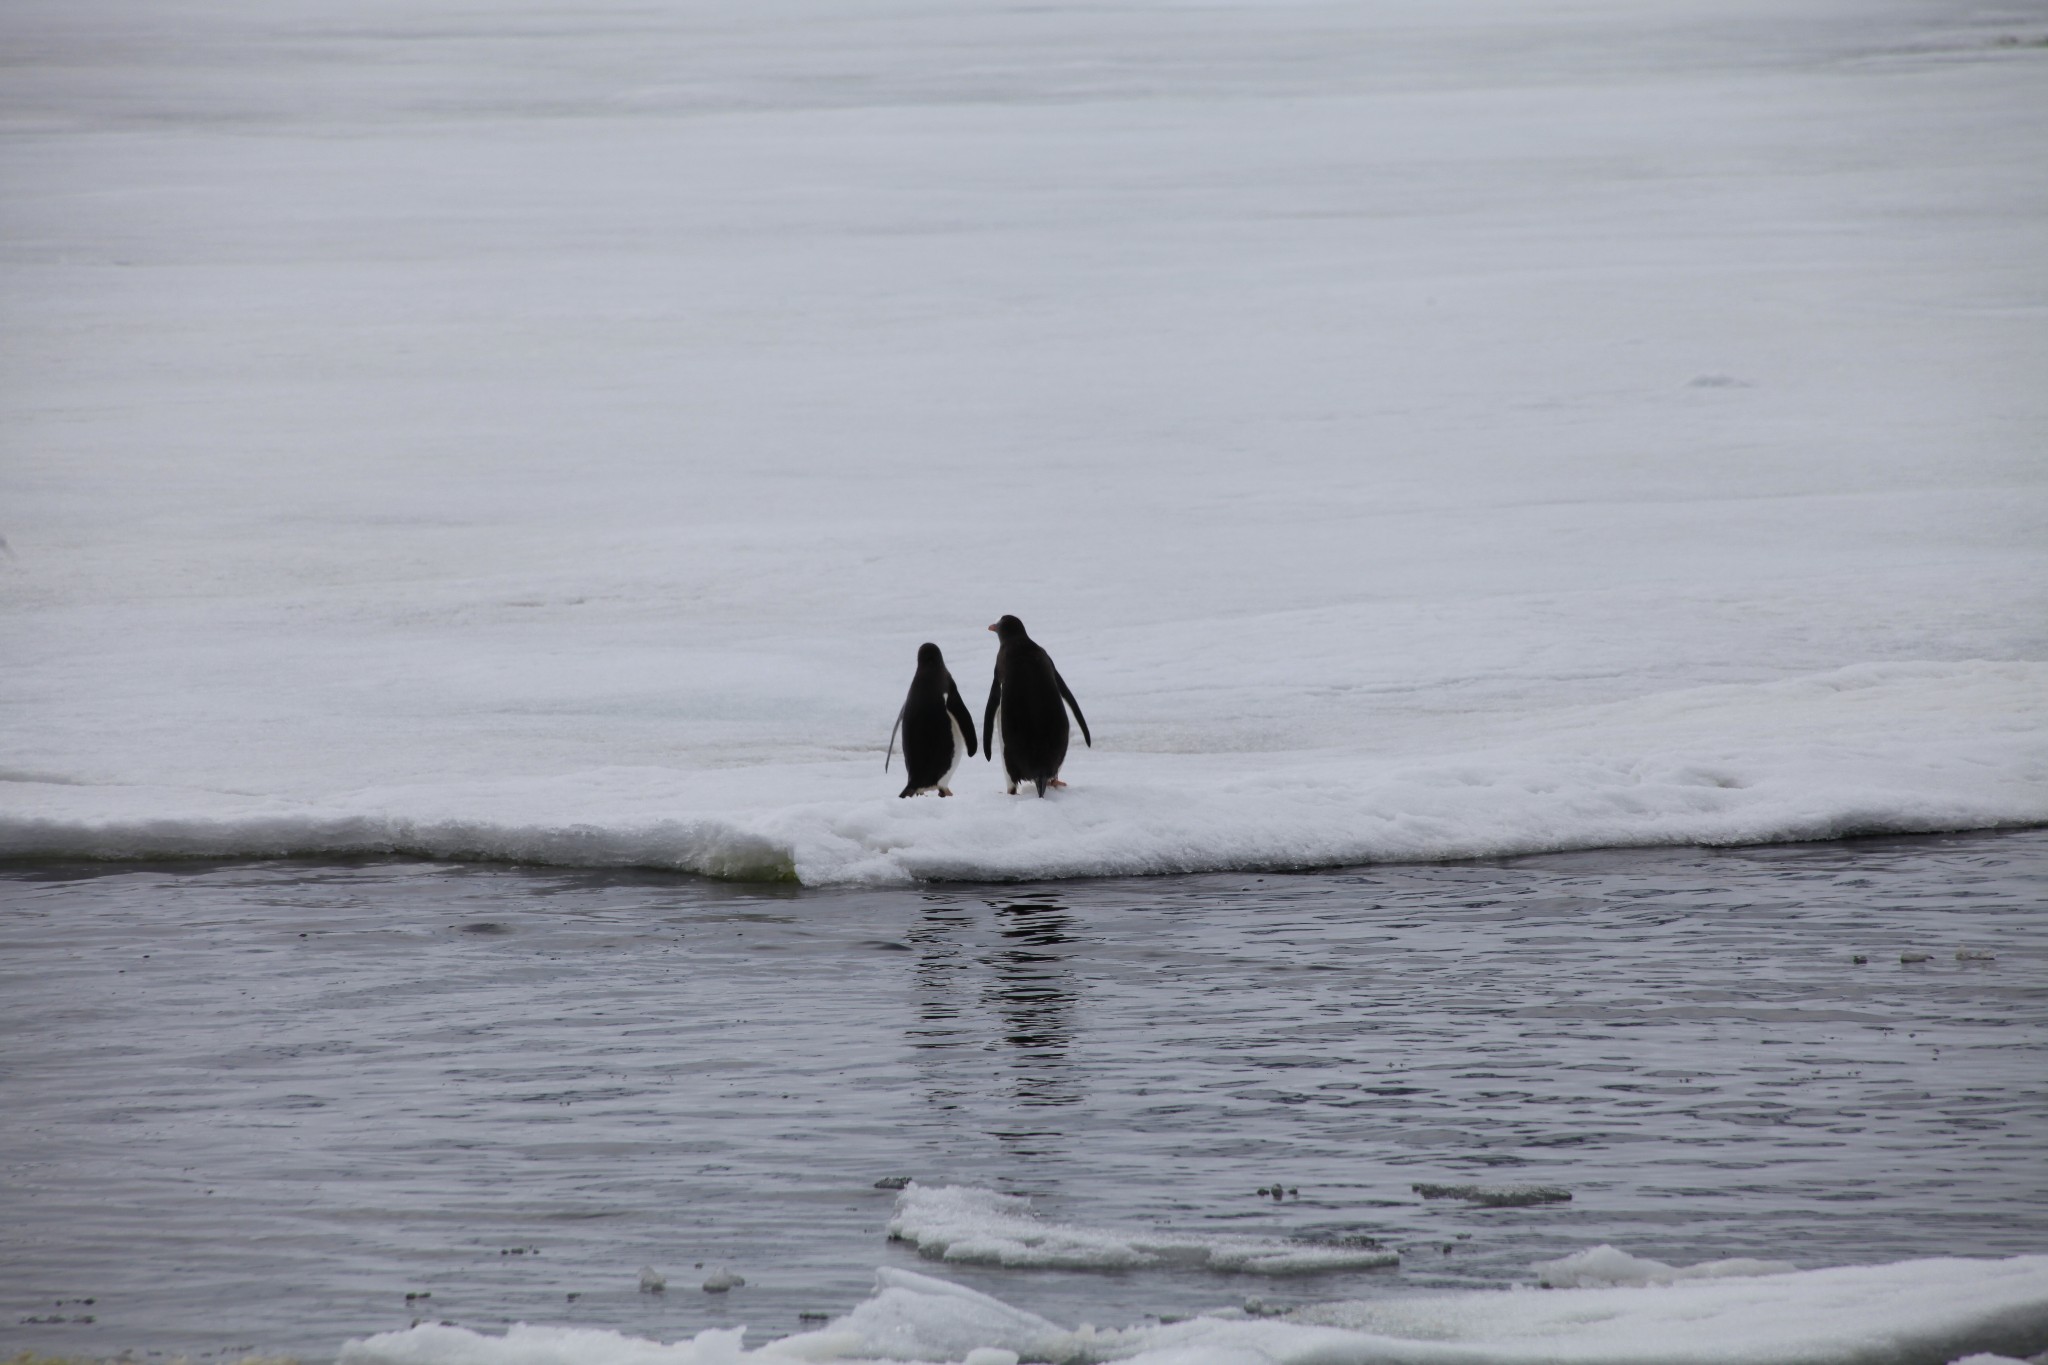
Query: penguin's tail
pixel 1041 781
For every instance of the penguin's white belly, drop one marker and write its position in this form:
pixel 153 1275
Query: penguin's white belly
pixel 959 750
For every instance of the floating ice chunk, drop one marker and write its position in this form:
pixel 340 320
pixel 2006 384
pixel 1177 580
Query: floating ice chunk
pixel 1927 1310
pixel 652 1281
pixel 982 1227
pixel 524 1345
pixel 1497 1196
pixel 1604 1266
pixel 916 1317
pixel 822 1345
pixel 1923 1311
pixel 721 1280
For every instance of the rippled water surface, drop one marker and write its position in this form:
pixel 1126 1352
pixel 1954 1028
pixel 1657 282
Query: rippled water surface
pixel 255 1106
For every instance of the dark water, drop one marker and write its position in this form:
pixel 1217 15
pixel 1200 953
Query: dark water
pixel 254 1106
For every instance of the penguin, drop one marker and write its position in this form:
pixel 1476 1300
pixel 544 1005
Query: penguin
pixel 938 729
pixel 1029 692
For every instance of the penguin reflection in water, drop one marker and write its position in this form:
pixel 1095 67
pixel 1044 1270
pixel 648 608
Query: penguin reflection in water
pixel 1032 699
pixel 938 729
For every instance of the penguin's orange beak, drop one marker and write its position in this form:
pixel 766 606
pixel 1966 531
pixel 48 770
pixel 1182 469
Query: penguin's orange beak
pixel 991 627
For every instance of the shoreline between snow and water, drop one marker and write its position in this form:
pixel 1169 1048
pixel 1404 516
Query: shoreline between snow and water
pixel 1871 750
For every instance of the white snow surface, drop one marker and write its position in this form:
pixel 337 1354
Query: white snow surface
pixel 984 1227
pixel 1422 429
pixel 1906 1313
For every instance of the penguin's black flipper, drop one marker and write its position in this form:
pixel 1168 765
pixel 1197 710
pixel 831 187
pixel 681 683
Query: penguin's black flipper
pixel 892 741
pixel 988 719
pixel 958 709
pixel 1089 739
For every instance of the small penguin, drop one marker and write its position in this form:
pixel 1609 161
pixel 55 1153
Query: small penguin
pixel 1029 693
pixel 938 729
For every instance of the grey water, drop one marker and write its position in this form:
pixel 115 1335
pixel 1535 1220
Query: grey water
pixel 269 1106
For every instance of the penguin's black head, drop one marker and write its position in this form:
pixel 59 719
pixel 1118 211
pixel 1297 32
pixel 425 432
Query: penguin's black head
pixel 928 656
pixel 1009 628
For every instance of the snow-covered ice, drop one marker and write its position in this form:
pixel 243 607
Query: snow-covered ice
pixel 1605 1267
pixel 1912 1311
pixel 1417 429
pixel 984 1227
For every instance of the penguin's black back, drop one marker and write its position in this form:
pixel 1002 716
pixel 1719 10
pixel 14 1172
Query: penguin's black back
pixel 930 711
pixel 1033 703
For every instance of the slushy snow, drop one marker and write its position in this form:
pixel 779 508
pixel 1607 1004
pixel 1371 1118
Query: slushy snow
pixel 983 1227
pixel 1925 1312
pixel 1417 430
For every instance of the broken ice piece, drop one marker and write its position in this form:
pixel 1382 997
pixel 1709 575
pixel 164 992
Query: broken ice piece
pixel 721 1280
pixel 652 1281
pixel 1497 1196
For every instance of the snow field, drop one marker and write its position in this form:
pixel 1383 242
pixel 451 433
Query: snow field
pixel 1417 431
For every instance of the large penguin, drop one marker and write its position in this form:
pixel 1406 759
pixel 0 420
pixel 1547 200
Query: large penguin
pixel 938 729
pixel 1029 693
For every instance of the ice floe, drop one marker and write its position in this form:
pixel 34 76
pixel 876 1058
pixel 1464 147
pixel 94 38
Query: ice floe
pixel 1496 1196
pixel 1923 1312
pixel 1418 430
pixel 426 476
pixel 1876 749
pixel 982 1227
pixel 1603 1267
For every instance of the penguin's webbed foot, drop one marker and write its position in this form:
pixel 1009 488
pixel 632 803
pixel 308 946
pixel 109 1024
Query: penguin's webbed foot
pixel 1013 789
pixel 1055 783
pixel 945 791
